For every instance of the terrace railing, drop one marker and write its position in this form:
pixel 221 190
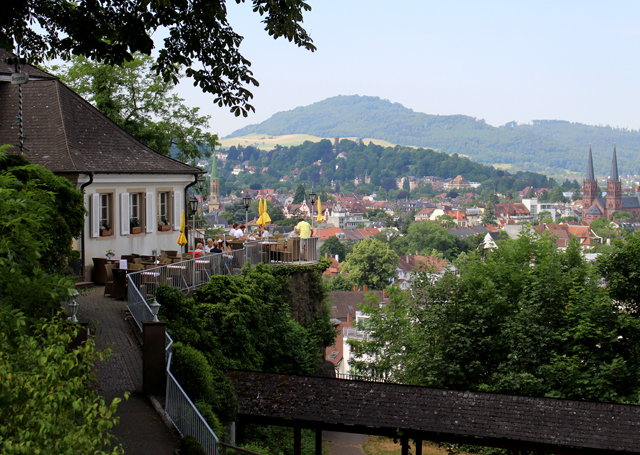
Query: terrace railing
pixel 192 273
pixel 185 416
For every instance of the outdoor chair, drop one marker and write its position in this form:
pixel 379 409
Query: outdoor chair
pixel 128 257
pixel 99 272
pixel 171 253
pixel 108 286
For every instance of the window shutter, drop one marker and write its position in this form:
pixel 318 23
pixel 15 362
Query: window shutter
pixel 151 218
pixel 124 213
pixel 95 215
pixel 177 209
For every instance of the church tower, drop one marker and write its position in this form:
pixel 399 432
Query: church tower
pixel 614 187
pixel 214 191
pixel 590 185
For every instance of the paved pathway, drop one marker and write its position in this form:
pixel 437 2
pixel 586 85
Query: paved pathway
pixel 344 443
pixel 141 430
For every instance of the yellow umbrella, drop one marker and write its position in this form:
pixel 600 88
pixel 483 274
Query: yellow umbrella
pixel 265 216
pixel 320 217
pixel 260 221
pixel 182 240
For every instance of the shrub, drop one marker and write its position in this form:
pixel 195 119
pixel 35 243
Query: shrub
pixel 189 445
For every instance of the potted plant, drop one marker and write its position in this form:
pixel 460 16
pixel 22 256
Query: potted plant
pixel 134 224
pixel 164 225
pixel 105 229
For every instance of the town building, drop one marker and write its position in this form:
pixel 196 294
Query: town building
pixel 594 207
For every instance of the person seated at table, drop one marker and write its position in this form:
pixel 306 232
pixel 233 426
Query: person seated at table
pixel 293 234
pixel 208 246
pixel 241 232
pixel 263 233
pixel 215 248
pixel 199 248
pixel 232 232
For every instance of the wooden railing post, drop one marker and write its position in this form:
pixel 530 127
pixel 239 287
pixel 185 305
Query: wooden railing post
pixel 154 379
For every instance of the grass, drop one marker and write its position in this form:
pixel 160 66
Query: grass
pixel 378 445
pixel 267 142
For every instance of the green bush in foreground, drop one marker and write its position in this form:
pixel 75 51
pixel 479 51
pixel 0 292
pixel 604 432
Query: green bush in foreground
pixel 47 402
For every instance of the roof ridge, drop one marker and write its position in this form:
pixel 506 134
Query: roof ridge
pixel 64 128
pixel 121 131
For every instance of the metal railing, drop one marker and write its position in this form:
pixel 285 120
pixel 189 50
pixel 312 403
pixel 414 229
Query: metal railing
pixel 137 304
pixel 358 377
pixel 192 273
pixel 185 416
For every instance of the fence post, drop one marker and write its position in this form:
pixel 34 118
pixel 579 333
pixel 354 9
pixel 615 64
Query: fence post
pixel 153 358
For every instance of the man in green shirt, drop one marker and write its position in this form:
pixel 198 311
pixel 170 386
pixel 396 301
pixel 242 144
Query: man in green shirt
pixel 303 228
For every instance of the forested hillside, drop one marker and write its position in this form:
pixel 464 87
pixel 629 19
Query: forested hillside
pixel 548 146
pixel 382 165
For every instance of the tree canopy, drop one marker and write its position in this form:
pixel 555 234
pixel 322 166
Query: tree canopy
pixel 371 263
pixel 39 216
pixel 528 319
pixel 200 37
pixel 142 103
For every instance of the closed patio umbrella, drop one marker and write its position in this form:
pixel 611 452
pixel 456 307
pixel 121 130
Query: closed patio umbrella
pixel 182 239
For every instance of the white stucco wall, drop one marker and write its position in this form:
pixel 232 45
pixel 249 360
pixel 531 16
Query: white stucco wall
pixel 142 243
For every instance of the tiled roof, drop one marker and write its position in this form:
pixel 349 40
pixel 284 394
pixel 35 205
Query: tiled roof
pixel 346 302
pixel 420 412
pixel 325 233
pixel 65 133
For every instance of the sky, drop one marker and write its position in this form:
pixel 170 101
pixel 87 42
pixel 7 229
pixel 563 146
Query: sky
pixel 495 60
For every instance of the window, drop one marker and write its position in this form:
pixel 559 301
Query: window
pixel 136 212
pixel 163 208
pixel 105 211
pixel 102 216
pixel 134 206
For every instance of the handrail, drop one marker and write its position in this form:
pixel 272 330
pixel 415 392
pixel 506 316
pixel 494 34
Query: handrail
pixel 185 416
pixel 190 274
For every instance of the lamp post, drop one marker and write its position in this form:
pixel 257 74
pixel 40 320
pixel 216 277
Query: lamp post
pixel 246 200
pixel 312 198
pixel 200 184
pixel 155 307
pixel 193 205
pixel 73 306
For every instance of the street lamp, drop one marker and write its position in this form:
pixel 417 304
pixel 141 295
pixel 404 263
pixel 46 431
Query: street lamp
pixel 155 307
pixel 246 200
pixel 312 198
pixel 193 205
pixel 73 306
pixel 201 182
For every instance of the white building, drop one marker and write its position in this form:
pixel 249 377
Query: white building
pixel 536 207
pixel 134 196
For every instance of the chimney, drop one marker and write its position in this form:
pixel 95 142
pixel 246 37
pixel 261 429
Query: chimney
pixel 326 255
pixel 384 293
pixel 365 288
pixel 355 289
pixel 349 317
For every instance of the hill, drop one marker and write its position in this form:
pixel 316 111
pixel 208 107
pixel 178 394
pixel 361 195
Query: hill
pixel 553 147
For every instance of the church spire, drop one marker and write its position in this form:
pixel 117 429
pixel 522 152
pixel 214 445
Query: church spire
pixel 614 166
pixel 214 166
pixel 590 173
